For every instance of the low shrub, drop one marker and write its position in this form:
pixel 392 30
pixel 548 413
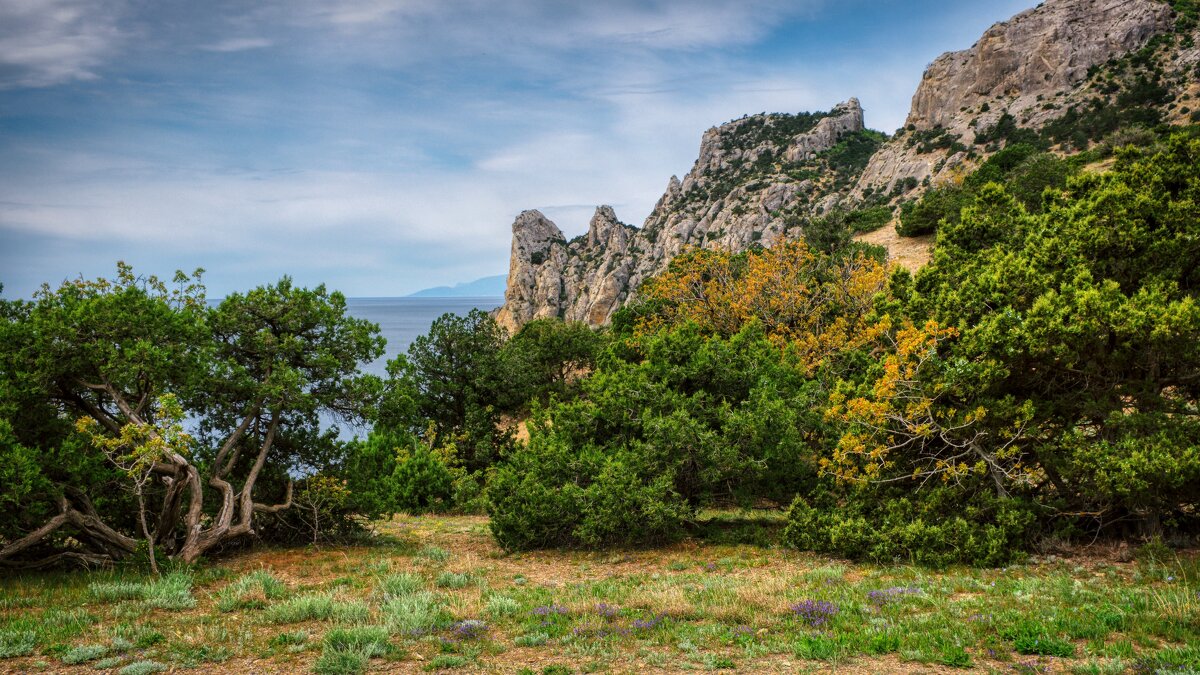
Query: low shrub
pixel 551 495
pixel 935 529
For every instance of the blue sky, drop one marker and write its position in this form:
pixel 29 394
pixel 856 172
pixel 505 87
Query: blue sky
pixel 384 146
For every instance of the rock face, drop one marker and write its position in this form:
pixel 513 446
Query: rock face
pixel 751 176
pixel 1028 67
pixel 758 178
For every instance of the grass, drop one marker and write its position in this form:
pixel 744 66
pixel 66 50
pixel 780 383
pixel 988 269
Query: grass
pixel 437 594
pixel 173 591
pixel 250 591
pixel 143 668
pixel 84 653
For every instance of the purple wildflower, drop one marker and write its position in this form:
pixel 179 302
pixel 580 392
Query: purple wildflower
pixel 471 629
pixel 881 597
pixel 548 610
pixel 815 613
pixel 648 624
pixel 607 611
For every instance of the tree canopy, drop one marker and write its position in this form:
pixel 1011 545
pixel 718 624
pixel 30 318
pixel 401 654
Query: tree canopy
pixel 130 357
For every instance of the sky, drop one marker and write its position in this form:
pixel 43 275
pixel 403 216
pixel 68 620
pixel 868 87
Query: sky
pixel 385 146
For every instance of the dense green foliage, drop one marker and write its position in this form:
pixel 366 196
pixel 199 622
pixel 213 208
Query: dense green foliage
pixel 1040 375
pixel 1079 324
pixel 1024 172
pixel 95 377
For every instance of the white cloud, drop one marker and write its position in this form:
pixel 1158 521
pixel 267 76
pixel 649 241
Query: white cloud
pixel 336 154
pixel 237 45
pixel 49 42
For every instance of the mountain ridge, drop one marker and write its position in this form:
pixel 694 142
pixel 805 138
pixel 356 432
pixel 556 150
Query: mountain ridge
pixel 764 178
pixel 483 287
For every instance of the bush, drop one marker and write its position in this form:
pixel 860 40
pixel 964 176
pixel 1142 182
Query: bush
pixel 551 494
pixel 324 510
pixel 924 216
pixel 423 481
pixel 937 528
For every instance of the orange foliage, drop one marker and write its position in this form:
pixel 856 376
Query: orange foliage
pixel 813 303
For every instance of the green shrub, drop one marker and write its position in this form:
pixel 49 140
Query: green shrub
pixel 607 503
pixel 17 643
pixel 924 216
pixel 423 480
pixel 936 529
pixel 83 654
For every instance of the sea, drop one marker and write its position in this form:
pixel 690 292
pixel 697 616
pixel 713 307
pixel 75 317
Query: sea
pixel 402 320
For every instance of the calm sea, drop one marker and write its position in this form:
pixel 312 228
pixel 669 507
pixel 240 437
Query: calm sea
pixel 402 320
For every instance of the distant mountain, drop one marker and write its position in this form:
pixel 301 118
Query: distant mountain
pixel 487 287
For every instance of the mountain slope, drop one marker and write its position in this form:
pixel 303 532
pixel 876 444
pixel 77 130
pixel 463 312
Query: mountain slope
pixel 751 177
pixel 1063 75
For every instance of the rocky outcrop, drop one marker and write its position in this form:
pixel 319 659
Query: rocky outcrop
pixel 756 179
pixel 1027 67
pixel 745 186
pixel 585 279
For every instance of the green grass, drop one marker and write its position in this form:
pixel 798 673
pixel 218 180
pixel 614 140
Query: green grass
pixel 452 580
pixel 499 606
pixel 447 661
pixel 371 640
pixel 143 668
pixel 350 662
pixel 17 643
pixel 290 638
pixel 696 606
pixel 84 653
pixel 250 591
pixel 399 585
pixel 434 554
pixel 108 663
pixel 415 614
pixel 173 591
pixel 317 607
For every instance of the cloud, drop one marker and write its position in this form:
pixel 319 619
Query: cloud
pixel 237 45
pixel 49 42
pixel 386 145
pixel 415 29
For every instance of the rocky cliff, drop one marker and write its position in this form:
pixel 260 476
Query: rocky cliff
pixel 752 176
pixel 1030 68
pixel 759 178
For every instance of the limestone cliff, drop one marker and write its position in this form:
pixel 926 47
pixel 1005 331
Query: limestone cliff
pixel 1029 68
pixel 751 175
pixel 1063 63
